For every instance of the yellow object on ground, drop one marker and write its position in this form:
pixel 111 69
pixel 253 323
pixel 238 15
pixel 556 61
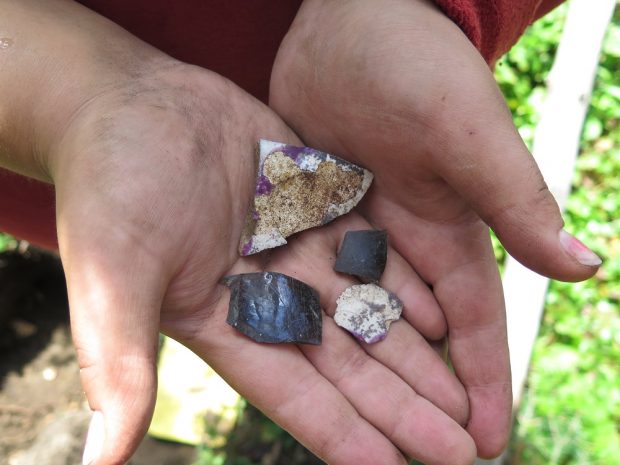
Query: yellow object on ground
pixel 194 405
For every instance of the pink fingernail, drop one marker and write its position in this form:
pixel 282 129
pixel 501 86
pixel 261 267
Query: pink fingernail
pixel 94 439
pixel 578 250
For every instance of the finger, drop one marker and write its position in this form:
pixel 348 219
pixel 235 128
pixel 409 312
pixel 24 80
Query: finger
pixel 423 311
pixel 484 159
pixel 472 298
pixel 463 272
pixel 404 351
pixel 114 306
pixel 281 382
pixel 474 146
pixel 409 420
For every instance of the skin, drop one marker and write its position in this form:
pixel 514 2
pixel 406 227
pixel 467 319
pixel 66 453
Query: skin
pixel 395 86
pixel 153 166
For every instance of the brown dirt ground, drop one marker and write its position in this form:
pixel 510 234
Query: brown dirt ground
pixel 43 411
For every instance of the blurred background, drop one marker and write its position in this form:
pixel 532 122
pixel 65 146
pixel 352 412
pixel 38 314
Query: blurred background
pixel 568 414
pixel 570 409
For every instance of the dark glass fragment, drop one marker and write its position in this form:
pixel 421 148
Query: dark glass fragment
pixel 363 254
pixel 273 307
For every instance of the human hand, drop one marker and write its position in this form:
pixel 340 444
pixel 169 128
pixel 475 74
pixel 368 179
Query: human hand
pixel 153 180
pixel 396 87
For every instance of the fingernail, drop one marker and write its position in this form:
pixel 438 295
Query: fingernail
pixel 94 439
pixel 575 248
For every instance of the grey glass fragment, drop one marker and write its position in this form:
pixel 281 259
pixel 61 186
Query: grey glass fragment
pixel 273 307
pixel 363 254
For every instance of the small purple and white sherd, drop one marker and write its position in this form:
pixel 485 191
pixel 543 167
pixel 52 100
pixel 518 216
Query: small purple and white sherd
pixel 366 311
pixel 298 188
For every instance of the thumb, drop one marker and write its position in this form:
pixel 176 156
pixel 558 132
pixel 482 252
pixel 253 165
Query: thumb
pixel 493 170
pixel 115 298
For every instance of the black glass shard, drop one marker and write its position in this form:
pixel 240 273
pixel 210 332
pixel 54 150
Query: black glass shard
pixel 363 254
pixel 273 307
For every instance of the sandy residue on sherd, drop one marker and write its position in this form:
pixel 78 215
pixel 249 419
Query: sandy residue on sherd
pixel 300 199
pixel 297 190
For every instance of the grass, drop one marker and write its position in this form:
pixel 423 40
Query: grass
pixel 570 413
pixel 6 242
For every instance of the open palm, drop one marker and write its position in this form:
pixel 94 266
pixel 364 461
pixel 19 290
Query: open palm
pixel 153 180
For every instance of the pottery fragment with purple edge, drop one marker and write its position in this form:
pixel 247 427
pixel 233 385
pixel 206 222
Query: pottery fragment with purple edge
pixel 273 307
pixel 363 254
pixel 366 311
pixel 298 188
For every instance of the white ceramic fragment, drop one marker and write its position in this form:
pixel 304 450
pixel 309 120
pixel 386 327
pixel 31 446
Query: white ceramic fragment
pixel 298 188
pixel 366 311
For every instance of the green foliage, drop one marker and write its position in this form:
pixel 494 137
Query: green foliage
pixel 570 413
pixel 522 72
pixel 256 440
pixel 6 242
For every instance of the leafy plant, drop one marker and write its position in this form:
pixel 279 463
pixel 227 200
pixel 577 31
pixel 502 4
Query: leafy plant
pixel 6 242
pixel 570 413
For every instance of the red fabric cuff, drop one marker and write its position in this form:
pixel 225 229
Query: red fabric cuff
pixel 27 210
pixel 494 26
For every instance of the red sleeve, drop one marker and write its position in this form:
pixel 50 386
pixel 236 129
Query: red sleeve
pixel 494 26
pixel 27 209
pixel 238 39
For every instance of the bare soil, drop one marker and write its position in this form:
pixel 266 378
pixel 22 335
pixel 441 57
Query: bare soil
pixel 43 411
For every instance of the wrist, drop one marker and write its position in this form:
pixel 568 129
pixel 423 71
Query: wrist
pixel 494 27
pixel 60 56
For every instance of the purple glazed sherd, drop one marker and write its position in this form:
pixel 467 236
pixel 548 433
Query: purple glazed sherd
pixel 298 188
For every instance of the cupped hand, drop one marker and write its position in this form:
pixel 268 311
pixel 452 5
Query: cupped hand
pixel 154 176
pixel 395 86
